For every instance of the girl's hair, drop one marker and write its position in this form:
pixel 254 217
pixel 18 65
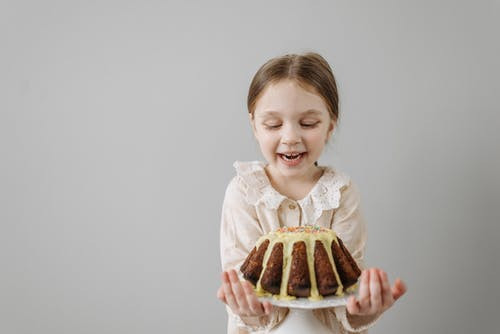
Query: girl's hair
pixel 310 70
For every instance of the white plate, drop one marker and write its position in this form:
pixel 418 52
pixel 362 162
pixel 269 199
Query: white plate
pixel 304 303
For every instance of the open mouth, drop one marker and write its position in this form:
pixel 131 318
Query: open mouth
pixel 292 159
pixel 291 156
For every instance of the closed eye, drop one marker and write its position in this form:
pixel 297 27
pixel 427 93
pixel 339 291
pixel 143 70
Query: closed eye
pixel 309 125
pixel 305 125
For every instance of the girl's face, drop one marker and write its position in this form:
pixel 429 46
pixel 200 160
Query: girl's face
pixel 292 126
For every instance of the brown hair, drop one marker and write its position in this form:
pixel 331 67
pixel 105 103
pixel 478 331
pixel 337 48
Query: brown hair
pixel 310 70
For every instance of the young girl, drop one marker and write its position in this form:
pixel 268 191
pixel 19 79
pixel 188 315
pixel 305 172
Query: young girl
pixel 293 111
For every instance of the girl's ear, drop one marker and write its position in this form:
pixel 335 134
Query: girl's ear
pixel 331 128
pixel 252 123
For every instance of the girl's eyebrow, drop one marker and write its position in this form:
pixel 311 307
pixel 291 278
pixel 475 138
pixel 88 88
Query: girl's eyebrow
pixel 307 112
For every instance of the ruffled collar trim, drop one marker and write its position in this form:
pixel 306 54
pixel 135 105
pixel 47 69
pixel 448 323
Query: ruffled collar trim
pixel 325 195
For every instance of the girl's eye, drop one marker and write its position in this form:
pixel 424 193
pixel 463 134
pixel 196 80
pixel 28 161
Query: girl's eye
pixel 309 125
pixel 277 126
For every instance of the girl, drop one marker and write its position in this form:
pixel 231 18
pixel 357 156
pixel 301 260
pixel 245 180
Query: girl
pixel 293 111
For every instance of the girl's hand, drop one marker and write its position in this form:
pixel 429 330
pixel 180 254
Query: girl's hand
pixel 240 296
pixel 375 293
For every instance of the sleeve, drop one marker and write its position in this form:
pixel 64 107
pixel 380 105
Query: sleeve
pixel 348 222
pixel 240 229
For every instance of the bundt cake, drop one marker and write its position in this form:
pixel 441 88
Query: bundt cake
pixel 302 261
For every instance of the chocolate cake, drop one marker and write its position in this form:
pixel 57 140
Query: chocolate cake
pixel 302 261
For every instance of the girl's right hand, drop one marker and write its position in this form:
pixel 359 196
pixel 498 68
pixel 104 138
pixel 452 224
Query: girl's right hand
pixel 240 296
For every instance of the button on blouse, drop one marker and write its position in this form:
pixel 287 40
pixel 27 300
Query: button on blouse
pixel 289 213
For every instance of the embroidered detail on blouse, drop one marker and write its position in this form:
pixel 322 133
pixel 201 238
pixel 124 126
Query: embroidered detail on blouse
pixel 252 329
pixel 341 314
pixel 325 195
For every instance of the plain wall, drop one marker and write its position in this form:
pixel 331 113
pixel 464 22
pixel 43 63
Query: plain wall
pixel 120 121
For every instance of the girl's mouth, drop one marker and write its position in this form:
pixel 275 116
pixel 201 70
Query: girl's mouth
pixel 292 159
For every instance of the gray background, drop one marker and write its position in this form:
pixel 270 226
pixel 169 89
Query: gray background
pixel 120 122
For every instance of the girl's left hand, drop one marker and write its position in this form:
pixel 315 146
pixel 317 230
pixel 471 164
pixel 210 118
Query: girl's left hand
pixel 375 293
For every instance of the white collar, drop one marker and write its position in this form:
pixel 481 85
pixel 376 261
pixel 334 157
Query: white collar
pixel 325 195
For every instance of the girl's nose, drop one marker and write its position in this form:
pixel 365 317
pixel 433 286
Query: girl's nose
pixel 291 135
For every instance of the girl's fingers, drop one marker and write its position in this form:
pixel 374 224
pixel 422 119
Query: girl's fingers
pixel 352 305
pixel 398 289
pixel 238 292
pixel 228 292
pixel 268 307
pixel 387 299
pixel 375 291
pixel 240 296
pixel 364 291
pixel 220 294
pixel 255 306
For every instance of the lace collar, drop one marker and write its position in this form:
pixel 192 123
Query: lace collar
pixel 325 195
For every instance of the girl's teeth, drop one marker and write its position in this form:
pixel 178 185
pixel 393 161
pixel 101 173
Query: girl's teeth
pixel 292 157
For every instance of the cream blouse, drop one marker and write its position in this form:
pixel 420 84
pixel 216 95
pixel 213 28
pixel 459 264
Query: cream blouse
pixel 252 208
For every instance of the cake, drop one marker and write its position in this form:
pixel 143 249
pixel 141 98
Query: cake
pixel 302 261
